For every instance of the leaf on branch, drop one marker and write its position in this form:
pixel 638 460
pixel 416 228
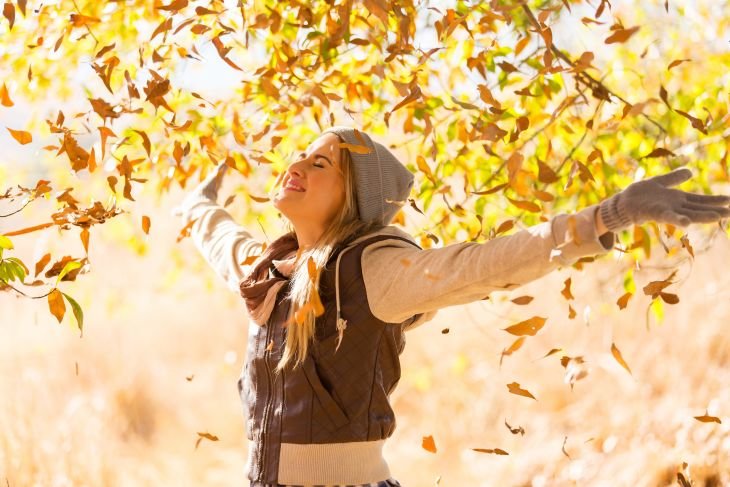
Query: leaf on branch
pixel 77 311
pixel 659 152
pixel 56 305
pixel 696 122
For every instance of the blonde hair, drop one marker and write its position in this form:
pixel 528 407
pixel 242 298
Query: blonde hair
pixel 303 289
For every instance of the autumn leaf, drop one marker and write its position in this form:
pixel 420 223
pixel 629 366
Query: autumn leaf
pixel 566 290
pixel 428 444
pixel 705 418
pixel 619 358
pixel 9 13
pixel 84 240
pixel 677 62
pixel 77 311
pixel 621 35
pixel 515 388
pixel 659 152
pixel 5 97
pixel 21 136
pixel 496 451
pixel 205 436
pixel 623 300
pixel 357 149
pixel 146 224
pixel 522 300
pixel 42 262
pixel 528 327
pixel 56 305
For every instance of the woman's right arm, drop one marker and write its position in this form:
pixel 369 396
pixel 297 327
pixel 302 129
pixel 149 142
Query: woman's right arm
pixel 224 244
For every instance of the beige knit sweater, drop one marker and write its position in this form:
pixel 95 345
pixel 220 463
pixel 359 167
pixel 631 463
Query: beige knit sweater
pixel 402 280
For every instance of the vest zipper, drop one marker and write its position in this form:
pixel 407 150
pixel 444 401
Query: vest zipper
pixel 269 401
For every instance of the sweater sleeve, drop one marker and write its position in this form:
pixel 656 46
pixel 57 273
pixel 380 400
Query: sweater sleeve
pixel 402 281
pixel 223 243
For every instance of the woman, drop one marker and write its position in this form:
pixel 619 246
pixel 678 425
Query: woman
pixel 331 299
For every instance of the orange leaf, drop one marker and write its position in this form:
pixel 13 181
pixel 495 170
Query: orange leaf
pixel 56 304
pixel 9 13
pixel 21 136
pixel 5 97
pixel 621 35
pixel 29 229
pixel 528 327
pixel 623 300
pixel 146 224
pixel 428 444
pixel 85 239
pixel 708 419
pixel 515 388
pixel 677 62
pixel 357 149
pixel 526 205
pixel 42 263
pixel 566 290
pixel 523 300
pixel 91 161
pixel 617 355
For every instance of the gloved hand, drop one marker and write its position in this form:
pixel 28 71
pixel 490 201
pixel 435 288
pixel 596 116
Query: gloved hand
pixel 653 200
pixel 208 187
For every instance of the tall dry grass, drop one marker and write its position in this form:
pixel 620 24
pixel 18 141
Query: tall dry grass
pixel 164 342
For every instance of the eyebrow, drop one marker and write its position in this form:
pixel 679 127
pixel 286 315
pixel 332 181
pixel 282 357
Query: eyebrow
pixel 319 155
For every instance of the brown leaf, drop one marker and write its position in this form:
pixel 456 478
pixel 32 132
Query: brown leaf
pixel 566 290
pixel 525 205
pixel 9 13
pixel 91 161
pixel 516 345
pixel 708 419
pixel 42 263
pixel 696 122
pixel 669 298
pixel 496 451
pixel 428 444
pixel 21 136
pixel 528 327
pixel 174 6
pixel 28 229
pixel 5 97
pixel 515 388
pixel 663 95
pixel 522 300
pixel 519 430
pixel 677 62
pixel 56 304
pixel 623 300
pixel 491 190
pixel 146 224
pixel 357 149
pixel 206 436
pixel 685 243
pixel 659 152
pixel 621 35
pixel 552 352
pixel 619 358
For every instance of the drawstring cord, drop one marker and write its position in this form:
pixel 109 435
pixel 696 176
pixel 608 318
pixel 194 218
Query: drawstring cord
pixel 341 323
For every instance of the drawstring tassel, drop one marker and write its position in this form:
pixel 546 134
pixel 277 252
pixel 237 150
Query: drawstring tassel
pixel 341 325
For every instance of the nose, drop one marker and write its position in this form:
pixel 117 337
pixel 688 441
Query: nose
pixel 296 168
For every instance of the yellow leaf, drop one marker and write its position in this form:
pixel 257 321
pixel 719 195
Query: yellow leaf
pixel 528 327
pixel 429 444
pixel 515 388
pixel 21 136
pixel 56 304
pixel 617 355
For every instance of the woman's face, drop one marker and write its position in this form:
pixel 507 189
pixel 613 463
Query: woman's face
pixel 312 189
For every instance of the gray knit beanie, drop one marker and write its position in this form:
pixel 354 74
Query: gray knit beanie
pixel 383 183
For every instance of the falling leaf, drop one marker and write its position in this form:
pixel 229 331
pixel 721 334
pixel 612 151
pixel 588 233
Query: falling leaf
pixel 185 232
pixel 84 239
pixel 357 149
pixel 623 300
pixel 146 224
pixel 708 419
pixel 515 431
pixel 677 62
pixel 685 243
pixel 552 352
pixel 496 451
pixel 5 97
pixel 565 440
pixel 9 13
pixel 659 152
pixel 528 327
pixel 617 355
pixel 42 263
pixel 206 436
pixel 566 290
pixel 669 298
pixel 56 305
pixel 428 444
pixel 521 300
pixel 515 388
pixel 621 35
pixel 512 348
pixel 21 136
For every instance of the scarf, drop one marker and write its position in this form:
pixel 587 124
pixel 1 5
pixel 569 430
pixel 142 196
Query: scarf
pixel 272 271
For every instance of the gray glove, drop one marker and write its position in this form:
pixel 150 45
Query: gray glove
pixel 653 200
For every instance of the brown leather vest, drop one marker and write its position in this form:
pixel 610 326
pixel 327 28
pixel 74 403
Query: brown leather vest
pixel 333 397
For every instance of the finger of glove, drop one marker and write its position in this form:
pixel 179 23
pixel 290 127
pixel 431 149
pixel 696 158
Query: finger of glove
pixel 708 199
pixel 700 216
pixel 724 212
pixel 673 178
pixel 674 218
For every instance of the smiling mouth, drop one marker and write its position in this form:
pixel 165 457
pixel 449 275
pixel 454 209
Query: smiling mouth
pixel 292 187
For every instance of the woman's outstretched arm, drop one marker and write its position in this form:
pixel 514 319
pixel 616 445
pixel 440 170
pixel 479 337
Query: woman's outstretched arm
pixel 224 244
pixel 403 281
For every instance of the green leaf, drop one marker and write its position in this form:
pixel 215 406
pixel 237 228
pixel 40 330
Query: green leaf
pixel 18 267
pixel 78 312
pixel 4 272
pixel 68 268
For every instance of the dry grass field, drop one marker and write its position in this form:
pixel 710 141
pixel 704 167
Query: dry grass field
pixel 164 342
